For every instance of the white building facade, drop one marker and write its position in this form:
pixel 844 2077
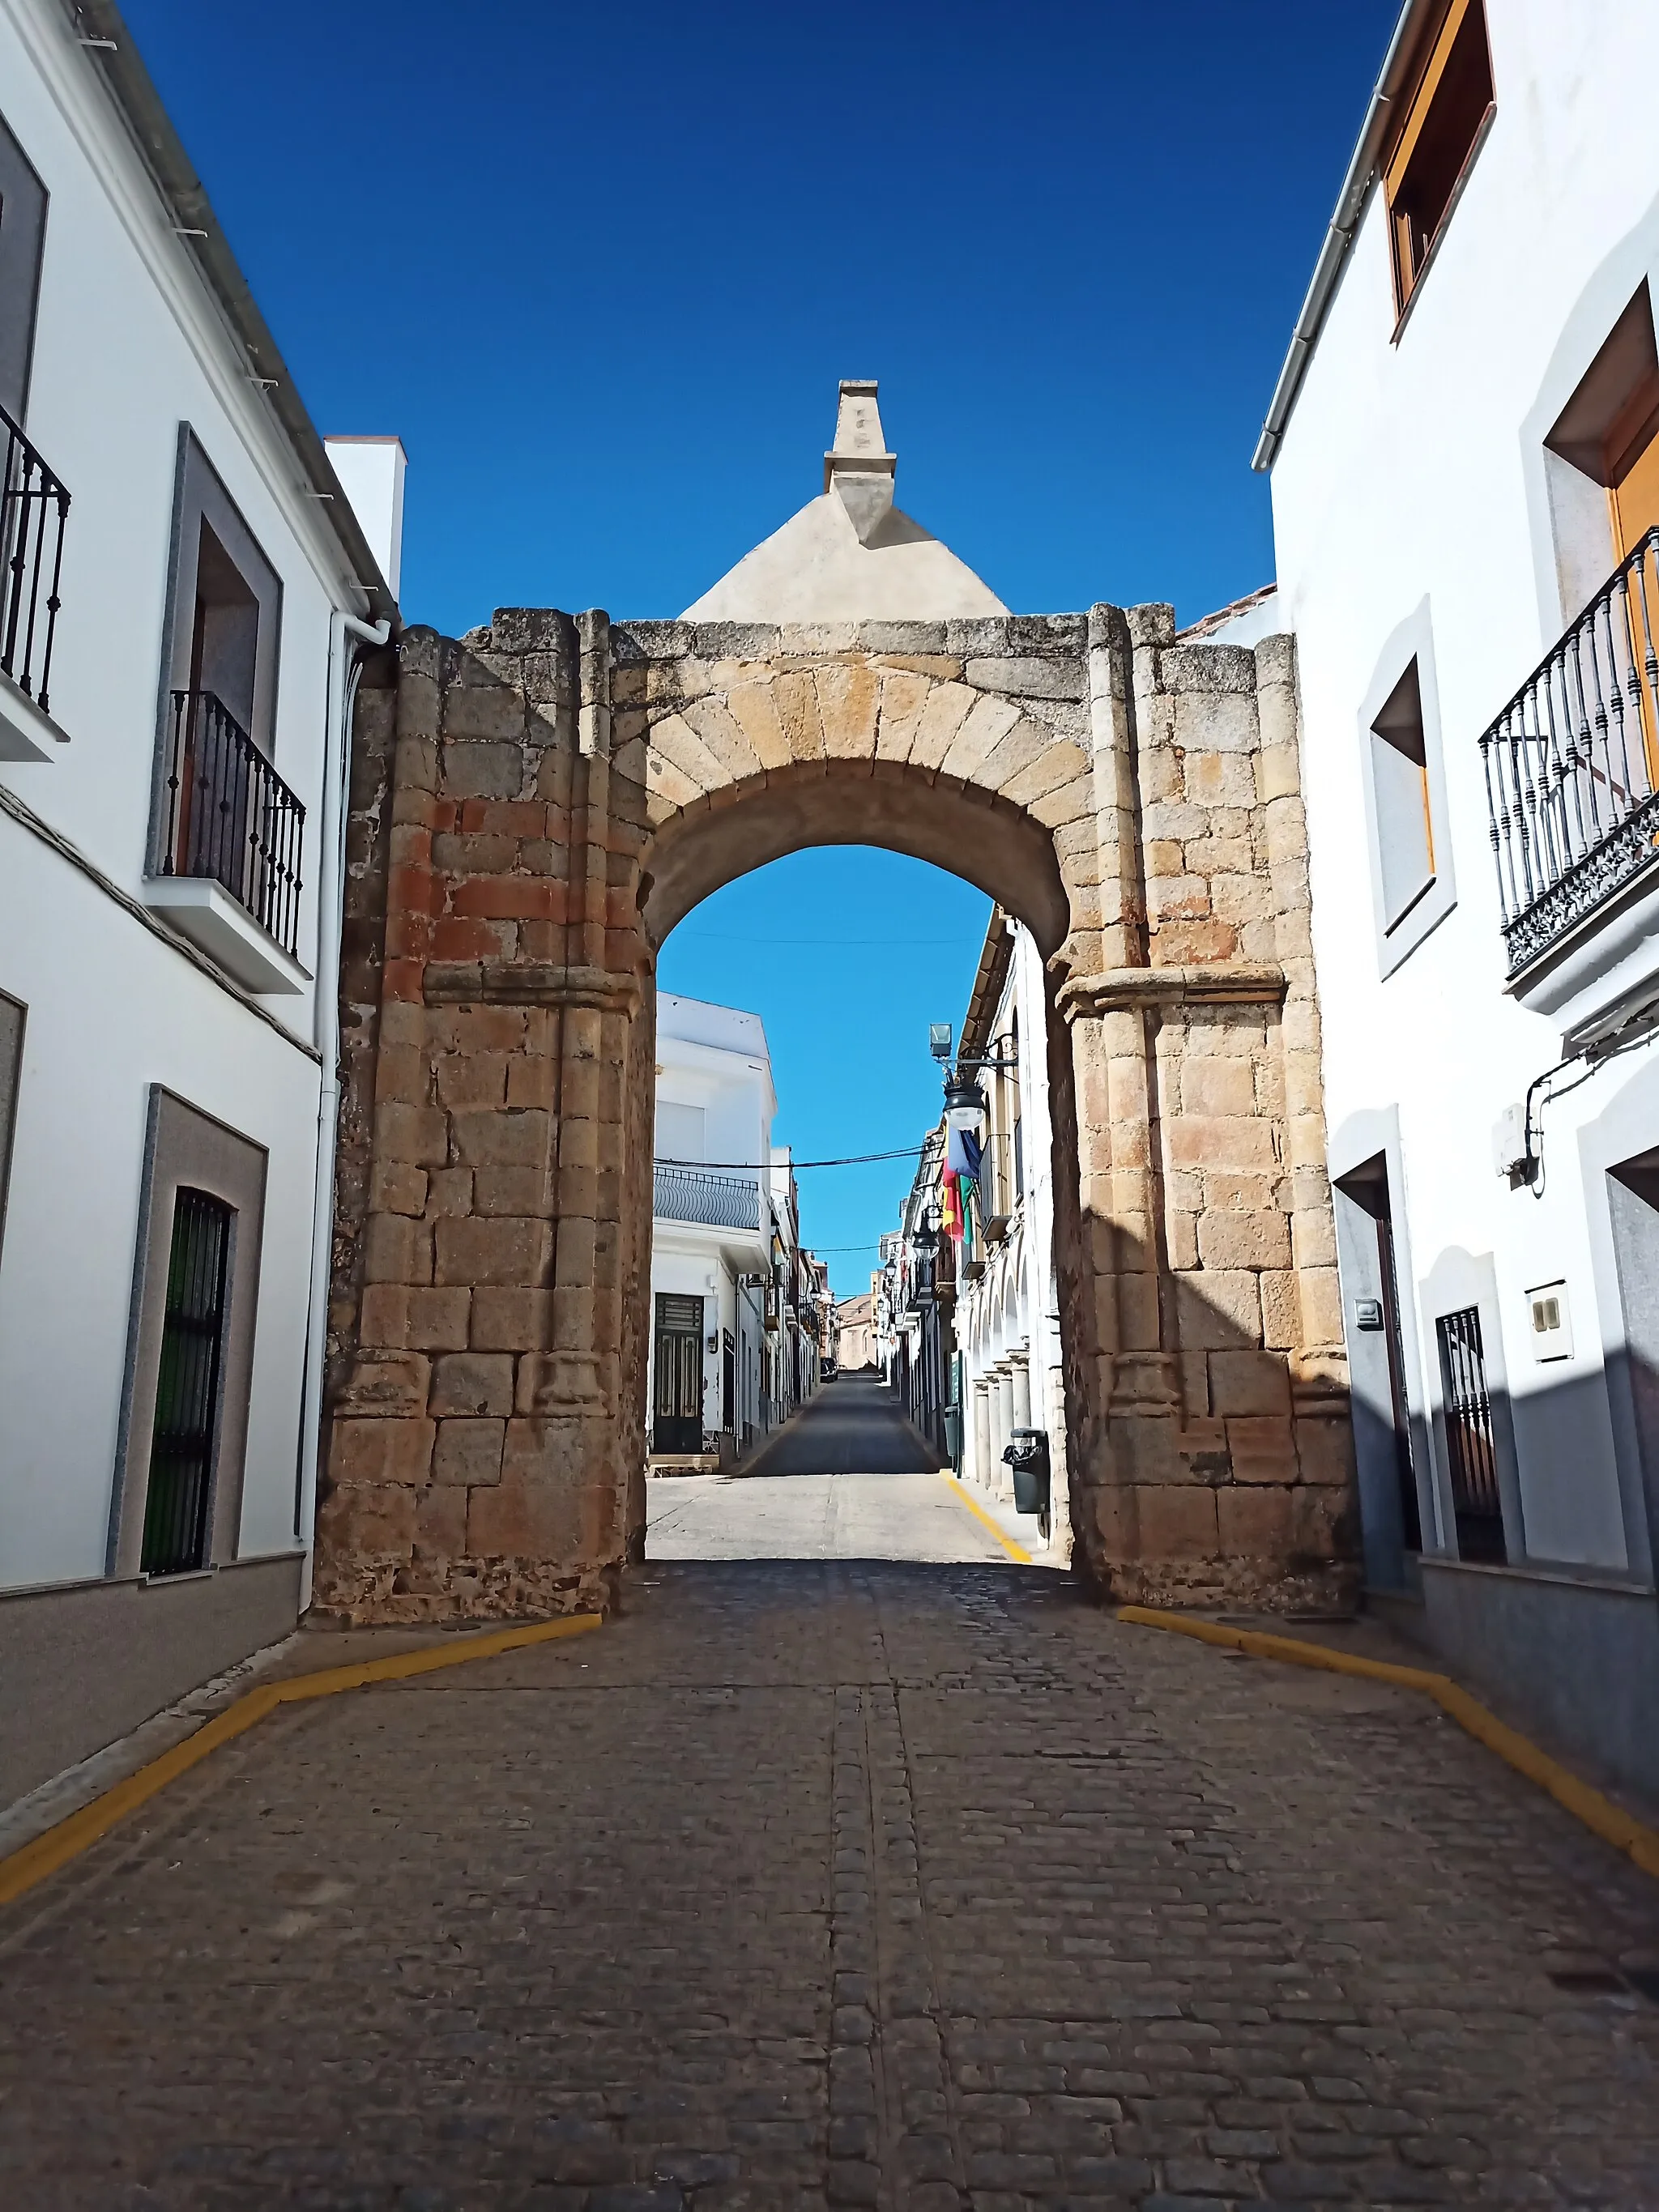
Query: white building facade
pixel 186 594
pixel 1006 1311
pixel 724 1356
pixel 1464 450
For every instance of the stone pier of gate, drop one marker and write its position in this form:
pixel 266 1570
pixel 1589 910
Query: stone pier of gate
pixel 536 805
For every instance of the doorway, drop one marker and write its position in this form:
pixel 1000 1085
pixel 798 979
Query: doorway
pixel 1390 1500
pixel 676 1409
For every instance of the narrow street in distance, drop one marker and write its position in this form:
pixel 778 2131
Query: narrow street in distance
pixel 848 1479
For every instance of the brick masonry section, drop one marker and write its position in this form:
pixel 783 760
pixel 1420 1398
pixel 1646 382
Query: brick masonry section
pixel 809 1886
pixel 536 804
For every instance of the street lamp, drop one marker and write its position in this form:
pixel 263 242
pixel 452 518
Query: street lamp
pixel 965 1102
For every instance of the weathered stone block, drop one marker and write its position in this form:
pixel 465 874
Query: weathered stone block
pixel 1324 1451
pixel 397 1187
pixel 1233 1141
pixel 469 1451
pixel 472 1382
pixel 1233 1239
pixel 397 1383
pixel 511 1138
pixel 396 1250
pixel 395 1317
pixel 520 1191
pixel 492 1251
pixel 1031 679
pixel 512 1319
pixel 1246 1382
pixel 1254 1522
pixel 1177 1521
pixel 397 1449
pixel 1261 1447
pixel 477 711
pixel 526 1516
pixel 1321 1305
pixel 1281 1312
pixel 361 1525
pixel 415 1135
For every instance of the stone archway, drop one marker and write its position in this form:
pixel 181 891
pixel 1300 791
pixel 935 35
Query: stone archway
pixel 542 801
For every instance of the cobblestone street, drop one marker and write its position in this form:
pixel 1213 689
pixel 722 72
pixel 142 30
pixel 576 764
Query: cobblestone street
pixel 845 1884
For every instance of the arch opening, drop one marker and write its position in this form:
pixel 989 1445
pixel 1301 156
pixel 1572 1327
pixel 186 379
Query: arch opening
pixel 979 836
pixel 938 1323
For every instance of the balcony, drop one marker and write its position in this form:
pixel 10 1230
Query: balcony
pixel 1571 794
pixel 718 1201
pixel 231 831
pixel 33 509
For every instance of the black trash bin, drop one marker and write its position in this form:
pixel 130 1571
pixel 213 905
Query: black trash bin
pixel 1028 1457
pixel 953 1436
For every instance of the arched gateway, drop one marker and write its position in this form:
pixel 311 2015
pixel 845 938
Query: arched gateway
pixel 539 803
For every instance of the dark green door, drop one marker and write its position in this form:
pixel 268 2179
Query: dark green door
pixel 186 1430
pixel 677 1409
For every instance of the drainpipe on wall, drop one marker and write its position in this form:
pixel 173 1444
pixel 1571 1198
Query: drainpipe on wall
pixel 346 635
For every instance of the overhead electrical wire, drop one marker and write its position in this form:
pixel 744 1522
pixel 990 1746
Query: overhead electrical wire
pixel 757 1167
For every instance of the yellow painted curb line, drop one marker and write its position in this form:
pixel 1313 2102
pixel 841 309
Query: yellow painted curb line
pixel 35 1861
pixel 1018 1552
pixel 1609 1821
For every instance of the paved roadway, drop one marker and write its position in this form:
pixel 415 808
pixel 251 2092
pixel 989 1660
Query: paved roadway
pixel 848 1479
pixel 817 1884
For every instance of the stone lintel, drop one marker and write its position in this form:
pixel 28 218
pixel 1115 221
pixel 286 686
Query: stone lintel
pixel 529 983
pixel 1225 982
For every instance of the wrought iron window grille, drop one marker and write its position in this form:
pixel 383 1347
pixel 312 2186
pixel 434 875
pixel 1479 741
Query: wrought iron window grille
pixel 230 817
pixel 185 1434
pixel 1471 1441
pixel 1569 766
pixel 33 509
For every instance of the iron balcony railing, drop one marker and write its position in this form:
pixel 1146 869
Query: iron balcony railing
pixel 230 816
pixel 33 508
pixel 1570 765
pixel 683 1193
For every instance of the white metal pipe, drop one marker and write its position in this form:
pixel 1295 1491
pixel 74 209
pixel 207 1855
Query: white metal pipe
pixel 344 668
pixel 1340 233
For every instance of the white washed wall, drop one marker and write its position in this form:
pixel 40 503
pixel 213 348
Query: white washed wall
pixel 128 345
pixel 1413 469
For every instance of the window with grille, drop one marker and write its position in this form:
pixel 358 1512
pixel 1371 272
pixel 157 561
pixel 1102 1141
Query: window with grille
pixel 1470 1445
pixel 185 1435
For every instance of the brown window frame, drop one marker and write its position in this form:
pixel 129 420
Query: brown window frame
pixel 1417 110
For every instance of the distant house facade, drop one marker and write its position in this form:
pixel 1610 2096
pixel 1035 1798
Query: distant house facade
pixel 1464 451
pixel 857 1345
pixel 727 1367
pixel 185 600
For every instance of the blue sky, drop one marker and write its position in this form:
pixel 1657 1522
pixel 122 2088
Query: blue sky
pixel 601 270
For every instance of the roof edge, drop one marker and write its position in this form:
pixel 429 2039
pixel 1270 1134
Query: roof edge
pixel 1340 233
pixel 130 84
pixel 996 957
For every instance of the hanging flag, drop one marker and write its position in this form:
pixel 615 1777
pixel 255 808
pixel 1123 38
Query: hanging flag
pixel 950 1205
pixel 963 1155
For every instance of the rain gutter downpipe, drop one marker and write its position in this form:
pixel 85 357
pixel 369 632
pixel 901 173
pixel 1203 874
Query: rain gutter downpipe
pixel 1340 235
pixel 347 635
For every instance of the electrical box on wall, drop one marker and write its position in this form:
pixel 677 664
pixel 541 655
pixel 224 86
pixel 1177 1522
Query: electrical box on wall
pixel 1509 1151
pixel 1549 1323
